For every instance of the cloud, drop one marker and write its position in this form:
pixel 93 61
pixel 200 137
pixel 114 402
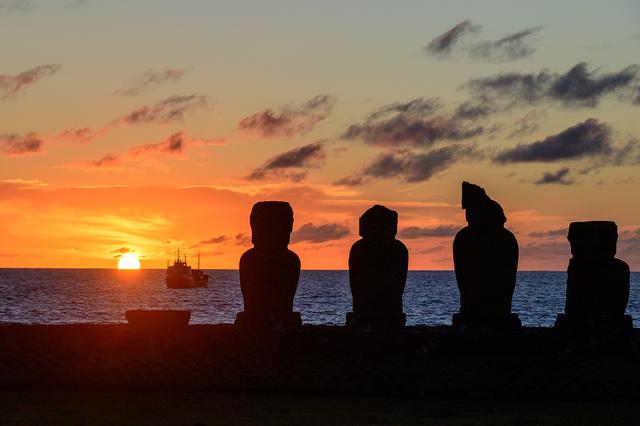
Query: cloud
pixel 528 124
pixel 150 79
pixel 558 178
pixel 311 233
pixel 444 43
pixel 109 161
pixel 175 145
pixel 13 84
pixel 13 145
pixel 551 233
pixel 14 5
pixel 579 87
pixel 415 232
pixel 121 250
pixel 82 135
pixel 511 47
pixel 303 157
pixel 290 119
pixel 410 124
pixel 214 240
pixel 589 138
pixel 242 239
pixel 173 108
pixel 411 167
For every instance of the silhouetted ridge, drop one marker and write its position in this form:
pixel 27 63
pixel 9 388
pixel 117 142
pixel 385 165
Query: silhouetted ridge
pixel 269 271
pixel 597 282
pixel 485 256
pixel 378 265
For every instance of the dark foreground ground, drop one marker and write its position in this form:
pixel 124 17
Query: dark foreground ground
pixel 194 408
pixel 216 374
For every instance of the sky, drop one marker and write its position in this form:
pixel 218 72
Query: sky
pixel 146 126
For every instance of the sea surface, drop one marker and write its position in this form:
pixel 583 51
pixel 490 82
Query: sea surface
pixel 54 296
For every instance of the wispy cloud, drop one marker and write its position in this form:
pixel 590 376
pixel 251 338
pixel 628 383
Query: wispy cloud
pixel 292 164
pixel 312 233
pixel 150 79
pixel 416 232
pixel 559 177
pixel 409 166
pixel 173 108
pixel 14 145
pixel 290 119
pixel 412 124
pixel 579 87
pixel 444 43
pixel 15 5
pixel 511 47
pixel 176 145
pixel 13 84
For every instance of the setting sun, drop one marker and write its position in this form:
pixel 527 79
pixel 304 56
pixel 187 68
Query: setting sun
pixel 129 261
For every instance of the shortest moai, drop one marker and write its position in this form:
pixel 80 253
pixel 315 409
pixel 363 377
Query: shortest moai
pixel 378 265
pixel 485 257
pixel 269 271
pixel 597 282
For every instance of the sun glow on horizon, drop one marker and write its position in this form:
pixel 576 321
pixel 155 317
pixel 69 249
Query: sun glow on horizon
pixel 129 261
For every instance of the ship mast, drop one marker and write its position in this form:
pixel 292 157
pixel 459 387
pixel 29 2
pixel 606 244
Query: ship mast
pixel 198 260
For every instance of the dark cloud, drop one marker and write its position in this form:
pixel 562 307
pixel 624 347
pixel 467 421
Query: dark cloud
pixel 551 233
pixel 303 157
pixel 121 250
pixel 242 240
pixel 415 232
pixel 444 43
pixel 311 233
pixel 579 87
pixel 410 166
pixel 215 240
pixel 556 178
pixel 151 78
pixel 290 119
pixel 171 109
pixel 511 47
pixel 13 84
pixel 12 145
pixel 108 161
pixel 410 124
pixel 474 111
pixel 175 145
pixel 589 138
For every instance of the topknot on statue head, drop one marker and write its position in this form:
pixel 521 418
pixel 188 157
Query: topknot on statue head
pixel 481 211
pixel 271 224
pixel 593 240
pixel 379 223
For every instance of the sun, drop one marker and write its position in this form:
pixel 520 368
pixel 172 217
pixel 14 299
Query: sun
pixel 129 261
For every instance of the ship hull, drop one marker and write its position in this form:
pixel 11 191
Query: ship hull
pixel 181 281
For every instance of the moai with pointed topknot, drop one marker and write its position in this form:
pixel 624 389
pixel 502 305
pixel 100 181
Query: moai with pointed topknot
pixel 485 256
pixel 269 271
pixel 597 282
pixel 378 266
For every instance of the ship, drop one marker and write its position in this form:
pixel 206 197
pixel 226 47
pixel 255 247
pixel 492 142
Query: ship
pixel 181 275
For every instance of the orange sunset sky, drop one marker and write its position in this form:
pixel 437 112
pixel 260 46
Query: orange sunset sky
pixel 146 126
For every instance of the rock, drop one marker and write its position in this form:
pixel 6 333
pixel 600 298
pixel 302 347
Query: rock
pixel 378 266
pixel 597 282
pixel 485 256
pixel 269 271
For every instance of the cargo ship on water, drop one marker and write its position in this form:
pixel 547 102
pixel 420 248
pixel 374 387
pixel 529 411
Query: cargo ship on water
pixel 181 275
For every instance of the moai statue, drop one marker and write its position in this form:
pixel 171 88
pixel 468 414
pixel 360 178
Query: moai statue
pixel 269 271
pixel 378 266
pixel 485 256
pixel 597 282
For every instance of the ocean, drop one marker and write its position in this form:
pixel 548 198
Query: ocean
pixel 55 296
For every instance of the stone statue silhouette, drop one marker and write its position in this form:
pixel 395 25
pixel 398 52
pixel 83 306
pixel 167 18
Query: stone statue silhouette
pixel 485 256
pixel 597 282
pixel 269 271
pixel 378 266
